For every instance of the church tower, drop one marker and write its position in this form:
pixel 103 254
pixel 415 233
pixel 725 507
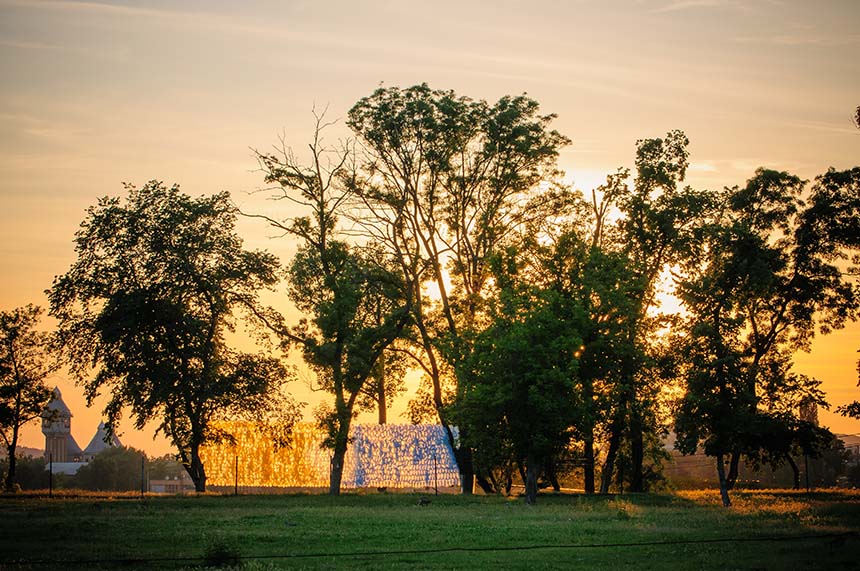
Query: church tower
pixel 60 446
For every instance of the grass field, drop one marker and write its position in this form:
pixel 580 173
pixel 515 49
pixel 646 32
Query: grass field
pixel 765 530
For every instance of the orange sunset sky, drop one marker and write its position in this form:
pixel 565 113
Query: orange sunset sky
pixel 97 93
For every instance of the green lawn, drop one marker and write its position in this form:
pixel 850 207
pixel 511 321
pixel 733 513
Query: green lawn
pixel 765 530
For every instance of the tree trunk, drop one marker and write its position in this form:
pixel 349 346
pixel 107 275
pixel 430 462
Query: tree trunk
pixel 9 483
pixel 795 471
pixel 336 472
pixel 488 485
pixel 380 390
pixel 466 466
pixel 724 488
pixel 732 477
pixel 533 470
pixel 196 470
pixel 611 454
pixel 588 468
pixel 552 475
pixel 637 451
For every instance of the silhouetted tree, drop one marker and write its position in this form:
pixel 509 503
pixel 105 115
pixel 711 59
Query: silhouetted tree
pixel 355 300
pixel 521 399
pixel 659 217
pixel 766 275
pixel 448 181
pixel 25 362
pixel 144 310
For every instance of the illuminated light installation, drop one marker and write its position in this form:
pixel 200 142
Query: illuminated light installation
pixel 380 455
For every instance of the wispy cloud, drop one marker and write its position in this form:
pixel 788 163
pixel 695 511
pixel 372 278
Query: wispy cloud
pixel 802 40
pixel 25 45
pixel 738 5
pixel 72 5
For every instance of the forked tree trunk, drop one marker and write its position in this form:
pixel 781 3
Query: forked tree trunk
pixel 611 455
pixel 196 470
pixel 724 489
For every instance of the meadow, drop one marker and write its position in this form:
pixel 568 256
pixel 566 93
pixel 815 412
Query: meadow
pixel 684 530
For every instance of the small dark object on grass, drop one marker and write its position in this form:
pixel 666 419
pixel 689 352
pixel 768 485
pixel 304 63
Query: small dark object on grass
pixel 423 502
pixel 289 523
pixel 220 554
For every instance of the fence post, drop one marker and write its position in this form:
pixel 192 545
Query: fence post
pixel 50 475
pixel 236 477
pixel 435 475
pixel 142 475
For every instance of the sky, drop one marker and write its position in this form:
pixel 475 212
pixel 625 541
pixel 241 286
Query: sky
pixel 94 94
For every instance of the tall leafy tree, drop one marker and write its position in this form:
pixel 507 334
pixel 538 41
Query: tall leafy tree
pixel 522 399
pixel 658 219
pixel 769 272
pixel 447 182
pixel 26 361
pixel 354 299
pixel 159 281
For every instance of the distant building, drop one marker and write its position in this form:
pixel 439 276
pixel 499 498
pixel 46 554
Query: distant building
pixel 181 484
pixel 61 450
pixel 60 445
pixel 852 446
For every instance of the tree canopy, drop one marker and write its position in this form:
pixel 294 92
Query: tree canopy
pixel 769 273
pixel 354 301
pixel 26 360
pixel 146 308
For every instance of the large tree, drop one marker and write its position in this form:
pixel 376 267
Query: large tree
pixel 355 302
pixel 522 398
pixel 658 218
pixel 25 363
pixel 447 182
pixel 770 270
pixel 145 309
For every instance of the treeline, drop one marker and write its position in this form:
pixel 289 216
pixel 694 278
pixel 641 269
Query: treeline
pixel 115 469
pixel 443 238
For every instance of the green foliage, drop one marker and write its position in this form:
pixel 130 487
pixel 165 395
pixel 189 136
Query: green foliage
pixel 520 400
pixel 769 273
pixel 117 468
pixel 25 362
pixel 155 287
pixel 354 301
pixel 31 473
pixel 446 183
